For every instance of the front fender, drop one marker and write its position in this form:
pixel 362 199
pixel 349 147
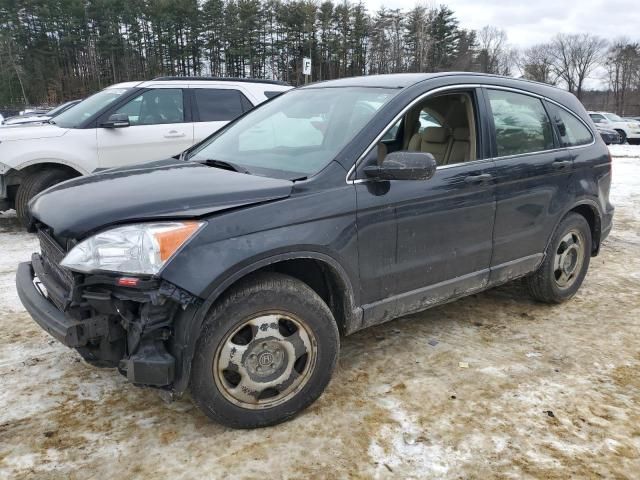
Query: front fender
pixel 188 324
pixel 53 161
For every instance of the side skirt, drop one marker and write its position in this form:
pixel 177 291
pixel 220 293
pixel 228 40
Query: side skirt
pixel 426 297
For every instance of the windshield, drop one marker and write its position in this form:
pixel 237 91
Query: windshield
pixel 59 109
pixel 77 114
pixel 613 117
pixel 296 134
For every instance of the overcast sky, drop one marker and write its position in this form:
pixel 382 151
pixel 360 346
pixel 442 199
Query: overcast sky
pixel 535 21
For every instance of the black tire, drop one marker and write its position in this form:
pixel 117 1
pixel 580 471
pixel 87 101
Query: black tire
pixel 33 184
pixel 544 284
pixel 623 136
pixel 262 294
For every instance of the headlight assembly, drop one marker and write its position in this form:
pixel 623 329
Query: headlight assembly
pixel 142 248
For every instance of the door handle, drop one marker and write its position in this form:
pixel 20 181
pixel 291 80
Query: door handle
pixel 561 163
pixel 175 134
pixel 475 179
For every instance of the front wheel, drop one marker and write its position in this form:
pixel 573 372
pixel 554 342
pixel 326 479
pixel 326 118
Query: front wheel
pixel 267 351
pixel 566 262
pixel 623 136
pixel 33 184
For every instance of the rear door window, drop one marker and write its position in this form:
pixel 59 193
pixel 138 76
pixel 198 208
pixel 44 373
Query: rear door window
pixel 217 105
pixel 521 123
pixel 572 132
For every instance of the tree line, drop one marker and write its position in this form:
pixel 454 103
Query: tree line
pixel 54 50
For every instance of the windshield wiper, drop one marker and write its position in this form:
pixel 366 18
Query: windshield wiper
pixel 224 165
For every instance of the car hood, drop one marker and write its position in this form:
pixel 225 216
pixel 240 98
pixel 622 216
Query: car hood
pixel 27 120
pixel 10 133
pixel 606 130
pixel 158 190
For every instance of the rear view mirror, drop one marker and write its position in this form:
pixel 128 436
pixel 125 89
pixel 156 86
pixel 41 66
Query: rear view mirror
pixel 117 120
pixel 404 166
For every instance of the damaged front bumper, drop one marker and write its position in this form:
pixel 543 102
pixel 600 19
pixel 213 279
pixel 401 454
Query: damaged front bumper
pixel 110 326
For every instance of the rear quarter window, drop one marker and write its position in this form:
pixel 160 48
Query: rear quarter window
pixel 572 132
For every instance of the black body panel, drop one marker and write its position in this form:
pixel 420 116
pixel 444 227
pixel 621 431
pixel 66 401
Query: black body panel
pixel 165 189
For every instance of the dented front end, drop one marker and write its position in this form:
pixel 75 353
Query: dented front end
pixel 113 321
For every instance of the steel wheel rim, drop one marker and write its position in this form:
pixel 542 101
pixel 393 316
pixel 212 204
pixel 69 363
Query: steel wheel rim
pixel 265 361
pixel 568 259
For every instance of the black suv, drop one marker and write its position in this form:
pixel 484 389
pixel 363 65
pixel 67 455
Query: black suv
pixel 234 269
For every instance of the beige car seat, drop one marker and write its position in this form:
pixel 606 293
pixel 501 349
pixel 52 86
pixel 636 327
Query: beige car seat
pixel 434 140
pixel 460 146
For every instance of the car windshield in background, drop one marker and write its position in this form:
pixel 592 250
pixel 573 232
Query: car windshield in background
pixel 77 114
pixel 296 134
pixel 59 109
pixel 613 117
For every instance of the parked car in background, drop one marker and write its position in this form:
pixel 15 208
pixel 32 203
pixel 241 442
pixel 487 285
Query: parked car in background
pixel 39 119
pixel 1 119
pixel 629 131
pixel 34 111
pixel 232 270
pixel 608 135
pixel 126 123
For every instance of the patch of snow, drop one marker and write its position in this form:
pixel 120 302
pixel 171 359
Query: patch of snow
pixel 405 446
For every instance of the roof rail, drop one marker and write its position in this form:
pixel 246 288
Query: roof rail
pixel 224 79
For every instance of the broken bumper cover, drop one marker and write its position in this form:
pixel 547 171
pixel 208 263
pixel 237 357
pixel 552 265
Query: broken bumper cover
pixel 45 313
pixel 100 337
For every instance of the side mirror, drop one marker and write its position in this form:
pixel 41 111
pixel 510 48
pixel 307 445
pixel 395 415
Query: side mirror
pixel 404 166
pixel 117 120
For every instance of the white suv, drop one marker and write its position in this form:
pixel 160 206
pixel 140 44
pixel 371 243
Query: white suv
pixel 127 123
pixel 629 131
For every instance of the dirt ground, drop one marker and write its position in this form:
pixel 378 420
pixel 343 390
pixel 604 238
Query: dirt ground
pixel 549 392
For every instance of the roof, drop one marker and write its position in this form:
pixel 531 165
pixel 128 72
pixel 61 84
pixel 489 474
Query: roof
pixel 392 80
pixel 402 80
pixel 222 79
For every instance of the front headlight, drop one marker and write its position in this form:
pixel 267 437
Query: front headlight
pixel 142 248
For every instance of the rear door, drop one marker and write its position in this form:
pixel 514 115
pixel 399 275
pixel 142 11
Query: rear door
pixel 159 128
pixel 532 178
pixel 214 107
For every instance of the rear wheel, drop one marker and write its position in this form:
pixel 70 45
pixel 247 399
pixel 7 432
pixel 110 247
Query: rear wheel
pixel 566 262
pixel 33 184
pixel 267 351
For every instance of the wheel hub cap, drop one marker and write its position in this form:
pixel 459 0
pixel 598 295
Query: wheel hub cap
pixel 265 360
pixel 568 259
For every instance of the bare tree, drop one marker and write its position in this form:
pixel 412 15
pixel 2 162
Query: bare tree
pixel 494 54
pixel 536 63
pixel 575 57
pixel 623 66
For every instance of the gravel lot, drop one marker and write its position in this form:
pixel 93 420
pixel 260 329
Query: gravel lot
pixel 549 392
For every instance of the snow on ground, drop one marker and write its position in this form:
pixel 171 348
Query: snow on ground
pixel 548 392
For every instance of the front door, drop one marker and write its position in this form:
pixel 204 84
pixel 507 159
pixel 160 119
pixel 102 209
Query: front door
pixel 422 242
pixel 157 130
